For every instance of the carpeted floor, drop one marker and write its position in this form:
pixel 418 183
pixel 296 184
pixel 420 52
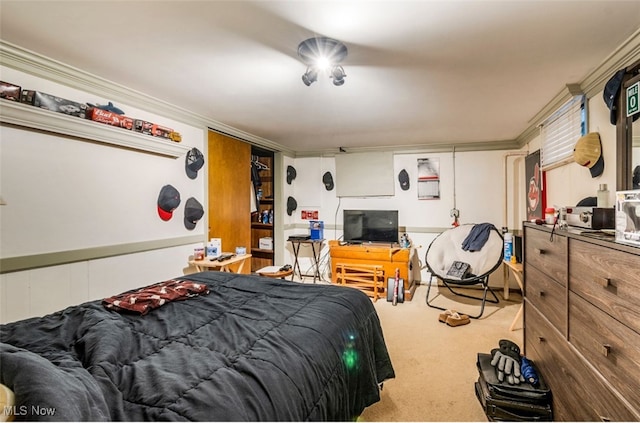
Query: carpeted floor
pixel 435 364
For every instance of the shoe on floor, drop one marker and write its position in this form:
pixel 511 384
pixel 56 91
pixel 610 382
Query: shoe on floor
pixel 457 319
pixel 442 318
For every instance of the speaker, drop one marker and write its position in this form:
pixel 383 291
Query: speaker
pixel 517 247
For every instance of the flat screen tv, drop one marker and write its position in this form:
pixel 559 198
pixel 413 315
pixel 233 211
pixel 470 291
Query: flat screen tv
pixel 370 226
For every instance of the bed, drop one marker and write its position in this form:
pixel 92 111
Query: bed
pixel 252 349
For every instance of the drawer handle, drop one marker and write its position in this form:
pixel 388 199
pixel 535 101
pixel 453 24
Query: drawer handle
pixel 605 419
pixel 604 282
pixel 539 251
pixel 541 339
pixel 541 294
pixel 606 350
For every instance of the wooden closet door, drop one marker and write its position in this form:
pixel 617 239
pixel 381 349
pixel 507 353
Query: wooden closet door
pixel 229 165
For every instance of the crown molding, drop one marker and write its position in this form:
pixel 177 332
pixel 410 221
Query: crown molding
pixel 628 52
pixel 33 63
pixel 421 149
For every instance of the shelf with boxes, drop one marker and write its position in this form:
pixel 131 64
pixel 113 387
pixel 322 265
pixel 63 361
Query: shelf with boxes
pixel 28 116
pixel 262 219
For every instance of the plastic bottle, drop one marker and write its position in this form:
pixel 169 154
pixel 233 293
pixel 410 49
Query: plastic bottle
pixel 211 250
pixel 508 246
pixel 550 215
pixel 603 196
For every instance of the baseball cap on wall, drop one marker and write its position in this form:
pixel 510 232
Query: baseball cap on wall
pixel 327 179
pixel 611 94
pixel 292 204
pixel 291 174
pixel 588 153
pixel 193 162
pixel 168 201
pixel 193 212
pixel 403 178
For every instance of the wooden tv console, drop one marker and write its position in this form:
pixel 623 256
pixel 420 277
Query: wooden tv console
pixel 383 255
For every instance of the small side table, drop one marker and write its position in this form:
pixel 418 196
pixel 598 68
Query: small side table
pixel 296 243
pixel 222 266
pixel 516 269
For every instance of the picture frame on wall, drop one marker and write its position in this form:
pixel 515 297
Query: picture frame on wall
pixel 535 187
pixel 428 179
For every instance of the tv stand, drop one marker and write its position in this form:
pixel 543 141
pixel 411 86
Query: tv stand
pixel 387 256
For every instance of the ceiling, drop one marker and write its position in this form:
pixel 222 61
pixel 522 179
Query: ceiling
pixel 419 73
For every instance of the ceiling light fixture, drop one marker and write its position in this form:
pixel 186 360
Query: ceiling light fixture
pixel 322 53
pixel 310 76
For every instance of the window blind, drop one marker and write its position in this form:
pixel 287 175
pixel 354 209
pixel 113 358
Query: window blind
pixel 561 131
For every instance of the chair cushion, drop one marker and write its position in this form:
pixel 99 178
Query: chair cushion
pixel 447 248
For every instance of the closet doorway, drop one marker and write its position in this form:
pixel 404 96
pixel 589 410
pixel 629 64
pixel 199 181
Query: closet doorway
pixel 229 188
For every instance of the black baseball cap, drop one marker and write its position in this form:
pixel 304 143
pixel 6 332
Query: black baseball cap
pixel 612 93
pixel 193 212
pixel 403 178
pixel 193 163
pixel 292 204
pixel 168 201
pixel 291 174
pixel 327 179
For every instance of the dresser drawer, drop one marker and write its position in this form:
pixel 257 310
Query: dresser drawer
pixel 548 296
pixel 578 394
pixel 611 347
pixel 548 256
pixel 607 278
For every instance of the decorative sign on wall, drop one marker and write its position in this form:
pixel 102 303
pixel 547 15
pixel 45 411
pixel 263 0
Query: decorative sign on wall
pixel 428 179
pixel 534 179
pixel 633 105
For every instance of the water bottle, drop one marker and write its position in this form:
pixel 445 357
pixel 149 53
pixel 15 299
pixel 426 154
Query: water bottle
pixel 602 199
pixel 508 246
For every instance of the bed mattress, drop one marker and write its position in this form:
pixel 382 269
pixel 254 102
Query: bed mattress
pixel 253 349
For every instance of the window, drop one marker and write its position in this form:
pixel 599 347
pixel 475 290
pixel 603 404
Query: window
pixel 561 131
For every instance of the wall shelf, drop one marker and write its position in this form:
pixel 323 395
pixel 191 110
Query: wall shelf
pixel 45 120
pixel 262 225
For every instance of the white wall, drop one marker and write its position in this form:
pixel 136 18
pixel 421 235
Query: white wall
pixel 41 291
pixel 479 186
pixel 479 195
pixel 64 194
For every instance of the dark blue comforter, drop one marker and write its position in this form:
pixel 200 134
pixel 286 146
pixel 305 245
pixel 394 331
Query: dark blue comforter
pixel 253 349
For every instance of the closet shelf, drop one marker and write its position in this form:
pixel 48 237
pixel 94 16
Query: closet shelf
pixel 45 120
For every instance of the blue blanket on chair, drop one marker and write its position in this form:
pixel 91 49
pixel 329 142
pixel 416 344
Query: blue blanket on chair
pixel 477 237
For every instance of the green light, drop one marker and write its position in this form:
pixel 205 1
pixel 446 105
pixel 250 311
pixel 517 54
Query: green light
pixel 350 358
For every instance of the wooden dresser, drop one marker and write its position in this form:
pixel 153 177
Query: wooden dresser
pixel 582 322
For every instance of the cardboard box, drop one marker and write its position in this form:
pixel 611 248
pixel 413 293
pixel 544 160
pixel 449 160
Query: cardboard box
pixel 160 131
pixel 317 229
pixel 53 103
pixel 265 243
pixel 628 217
pixel 110 118
pixel 9 91
pixel 214 247
pixel 142 126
